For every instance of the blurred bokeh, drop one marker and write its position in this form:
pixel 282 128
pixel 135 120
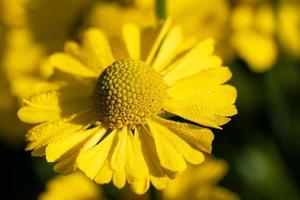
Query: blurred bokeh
pixel 258 39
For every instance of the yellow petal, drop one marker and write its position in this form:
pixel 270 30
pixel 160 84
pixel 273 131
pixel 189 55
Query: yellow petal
pixel 104 175
pixel 140 186
pixel 196 114
pixel 92 160
pixel 40 108
pixel 49 106
pixel 39 152
pixel 208 107
pixel 163 31
pixel 26 86
pixel 70 65
pixel 205 79
pixel 97 47
pixel 119 49
pixel 119 178
pixel 46 133
pixel 189 153
pixel 119 158
pixel 57 148
pixel 196 60
pixel 169 157
pixel 67 165
pixel 92 141
pixel 210 97
pixel 136 167
pixel 132 39
pixel 198 137
pixel 159 183
pixel 168 49
pixel 157 175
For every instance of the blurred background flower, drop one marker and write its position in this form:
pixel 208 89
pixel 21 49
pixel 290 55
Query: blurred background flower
pixel 200 183
pixel 261 144
pixel 252 34
pixel 30 30
pixel 288 26
pixel 75 186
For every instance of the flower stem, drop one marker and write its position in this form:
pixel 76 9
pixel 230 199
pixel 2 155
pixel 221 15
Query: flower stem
pixel 161 9
pixel 278 108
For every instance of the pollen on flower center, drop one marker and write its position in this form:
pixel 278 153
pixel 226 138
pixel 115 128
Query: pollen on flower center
pixel 127 93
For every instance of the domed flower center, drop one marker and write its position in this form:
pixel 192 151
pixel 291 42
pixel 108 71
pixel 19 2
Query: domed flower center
pixel 127 93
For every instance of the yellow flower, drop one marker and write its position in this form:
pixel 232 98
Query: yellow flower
pixel 196 183
pixel 71 187
pixel 200 183
pixel 13 12
pixel 104 13
pixel 253 35
pixel 289 29
pixel 23 64
pixel 36 15
pixel 112 116
pixel 22 55
pixel 199 19
pixel 28 42
pixel 11 130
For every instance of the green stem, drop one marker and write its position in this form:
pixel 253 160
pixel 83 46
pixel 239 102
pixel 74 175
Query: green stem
pixel 161 9
pixel 278 108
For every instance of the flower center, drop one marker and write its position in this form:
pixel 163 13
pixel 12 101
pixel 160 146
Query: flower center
pixel 127 93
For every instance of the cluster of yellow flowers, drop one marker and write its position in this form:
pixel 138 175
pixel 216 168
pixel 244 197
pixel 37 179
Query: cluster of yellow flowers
pixel 196 183
pixel 259 28
pixel 117 95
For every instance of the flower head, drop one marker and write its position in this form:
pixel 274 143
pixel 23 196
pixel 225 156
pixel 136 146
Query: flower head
pixel 127 93
pixel 132 110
